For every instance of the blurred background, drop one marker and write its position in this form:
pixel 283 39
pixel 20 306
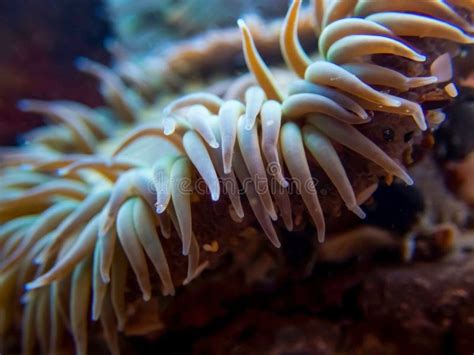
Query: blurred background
pixel 41 40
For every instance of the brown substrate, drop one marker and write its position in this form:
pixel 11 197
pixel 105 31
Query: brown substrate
pixel 360 307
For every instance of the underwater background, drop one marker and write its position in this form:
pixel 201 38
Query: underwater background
pixel 43 39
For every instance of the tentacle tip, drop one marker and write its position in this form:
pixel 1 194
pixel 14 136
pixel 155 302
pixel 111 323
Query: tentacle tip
pixel 276 243
pixel 214 144
pixel 215 195
pixel 186 248
pixel 105 278
pixel 167 112
pixel 420 58
pixel 63 171
pixel 38 260
pixel 241 24
pixel 249 125
pixel 236 212
pixel 169 292
pixel 227 168
pixel 81 63
pixel 364 116
pixel 359 212
pixel 169 126
pixel 121 325
pixel 160 208
pixel 321 232
pixel 146 296
pixel 431 80
pixel 284 183
pixel 407 179
pixel 34 285
pixel 95 315
pixel 394 103
pixel 23 105
pixel 273 215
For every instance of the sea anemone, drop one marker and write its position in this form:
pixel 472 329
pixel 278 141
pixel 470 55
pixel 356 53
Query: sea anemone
pixel 105 189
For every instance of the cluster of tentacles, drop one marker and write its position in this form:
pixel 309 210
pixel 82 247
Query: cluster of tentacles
pixel 94 194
